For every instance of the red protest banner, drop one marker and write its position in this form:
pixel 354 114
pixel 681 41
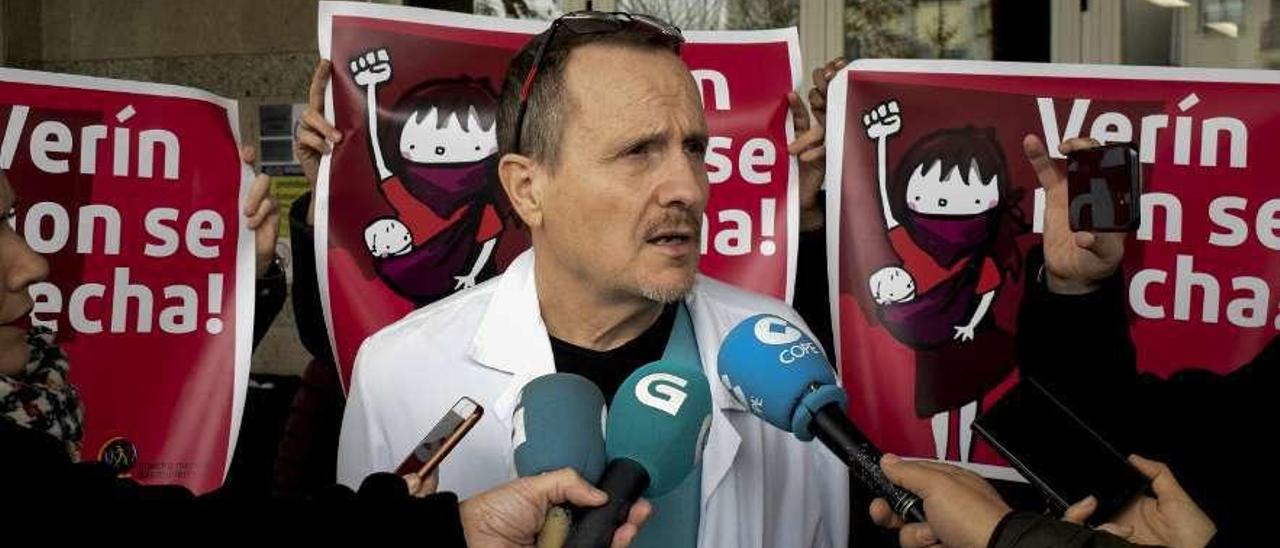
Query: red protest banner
pixel 1198 268
pixel 132 192
pixel 396 230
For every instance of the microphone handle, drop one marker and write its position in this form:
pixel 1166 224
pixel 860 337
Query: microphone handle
pixel 838 433
pixel 624 480
pixel 555 529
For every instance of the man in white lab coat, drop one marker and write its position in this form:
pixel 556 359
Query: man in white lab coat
pixel 602 137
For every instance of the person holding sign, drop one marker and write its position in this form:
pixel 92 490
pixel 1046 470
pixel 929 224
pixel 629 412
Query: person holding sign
pixel 35 392
pixel 1075 281
pixel 1074 338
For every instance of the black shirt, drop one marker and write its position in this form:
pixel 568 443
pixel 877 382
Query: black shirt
pixel 609 369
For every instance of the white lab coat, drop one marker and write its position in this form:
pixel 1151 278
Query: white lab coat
pixel 761 487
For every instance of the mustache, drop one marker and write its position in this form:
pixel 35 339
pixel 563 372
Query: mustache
pixel 681 219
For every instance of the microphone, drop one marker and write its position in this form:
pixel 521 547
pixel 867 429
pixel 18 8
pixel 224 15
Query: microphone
pixel 782 376
pixel 559 423
pixel 657 426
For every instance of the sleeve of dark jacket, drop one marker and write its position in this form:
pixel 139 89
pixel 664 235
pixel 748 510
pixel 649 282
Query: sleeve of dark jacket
pixel 1077 346
pixel 307 310
pixel 269 296
pixel 1029 530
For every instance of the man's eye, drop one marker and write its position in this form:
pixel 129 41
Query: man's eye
pixel 639 149
pixel 9 214
pixel 697 148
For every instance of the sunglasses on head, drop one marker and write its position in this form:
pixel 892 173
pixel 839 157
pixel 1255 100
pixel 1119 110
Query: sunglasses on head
pixel 583 23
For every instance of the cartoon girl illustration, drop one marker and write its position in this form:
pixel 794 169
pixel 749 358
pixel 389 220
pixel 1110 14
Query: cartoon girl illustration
pixel 946 210
pixel 434 153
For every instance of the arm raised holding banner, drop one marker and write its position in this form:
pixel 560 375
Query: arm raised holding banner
pixel 262 215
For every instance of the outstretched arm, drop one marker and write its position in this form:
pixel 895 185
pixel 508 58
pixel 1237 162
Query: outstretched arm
pixel 369 70
pixel 965 332
pixel 882 122
pixel 469 279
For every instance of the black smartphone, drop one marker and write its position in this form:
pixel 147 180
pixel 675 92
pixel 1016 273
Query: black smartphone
pixel 1104 186
pixel 1056 451
pixel 442 438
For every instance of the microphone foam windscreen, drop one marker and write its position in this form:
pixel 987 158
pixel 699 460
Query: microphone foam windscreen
pixel 770 365
pixel 660 418
pixel 557 424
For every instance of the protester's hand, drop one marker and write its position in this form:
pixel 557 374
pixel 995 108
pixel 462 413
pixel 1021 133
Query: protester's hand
pixel 810 150
pixel 315 135
pixel 1171 519
pixel 1079 512
pixel 262 214
pixel 818 93
pixel 512 514
pixel 962 508
pixel 1075 262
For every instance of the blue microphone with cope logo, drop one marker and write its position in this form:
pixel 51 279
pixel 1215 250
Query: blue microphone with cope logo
pixel 783 377
pixel 658 423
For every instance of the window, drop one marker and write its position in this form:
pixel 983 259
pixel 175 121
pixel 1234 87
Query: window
pixel 719 14
pixel 946 29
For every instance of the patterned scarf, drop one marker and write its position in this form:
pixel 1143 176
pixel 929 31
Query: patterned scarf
pixel 41 398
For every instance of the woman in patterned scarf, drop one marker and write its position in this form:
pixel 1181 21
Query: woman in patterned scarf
pixel 34 392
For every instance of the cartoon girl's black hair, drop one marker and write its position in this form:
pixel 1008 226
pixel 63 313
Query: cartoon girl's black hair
pixel 449 97
pixel 961 148
pixel 954 148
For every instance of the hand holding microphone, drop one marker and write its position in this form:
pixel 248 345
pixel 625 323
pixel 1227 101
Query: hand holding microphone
pixel 557 432
pixel 782 376
pixel 963 508
pixel 511 515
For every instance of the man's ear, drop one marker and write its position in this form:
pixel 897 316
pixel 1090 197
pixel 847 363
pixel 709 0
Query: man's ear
pixel 517 173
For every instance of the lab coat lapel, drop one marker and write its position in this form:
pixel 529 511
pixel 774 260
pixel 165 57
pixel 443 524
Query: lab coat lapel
pixel 511 336
pixel 724 441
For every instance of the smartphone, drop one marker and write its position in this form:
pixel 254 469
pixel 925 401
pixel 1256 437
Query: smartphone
pixel 443 437
pixel 1104 185
pixel 1056 451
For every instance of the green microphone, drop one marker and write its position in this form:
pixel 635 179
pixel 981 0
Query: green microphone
pixel 654 435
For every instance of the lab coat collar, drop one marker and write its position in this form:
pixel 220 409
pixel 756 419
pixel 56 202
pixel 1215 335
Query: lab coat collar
pixel 512 337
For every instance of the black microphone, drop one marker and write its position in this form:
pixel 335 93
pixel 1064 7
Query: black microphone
pixel 624 480
pixel 834 429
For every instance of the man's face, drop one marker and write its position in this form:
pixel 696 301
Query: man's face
pixel 623 209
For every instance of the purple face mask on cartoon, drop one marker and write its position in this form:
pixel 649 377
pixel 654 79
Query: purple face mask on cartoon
pixel 949 238
pixel 445 187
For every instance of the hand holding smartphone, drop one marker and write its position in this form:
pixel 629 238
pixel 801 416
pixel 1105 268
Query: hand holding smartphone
pixel 436 445
pixel 1055 450
pixel 1104 187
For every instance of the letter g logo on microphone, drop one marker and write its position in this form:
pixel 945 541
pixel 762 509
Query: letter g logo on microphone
pixel 661 391
pixel 774 331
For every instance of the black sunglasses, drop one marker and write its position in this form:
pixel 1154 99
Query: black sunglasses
pixel 593 22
